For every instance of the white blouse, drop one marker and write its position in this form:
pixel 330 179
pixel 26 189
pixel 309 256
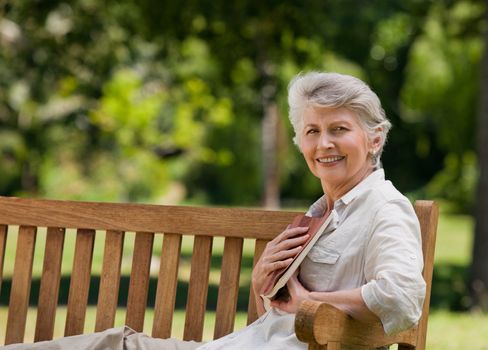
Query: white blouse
pixel 374 244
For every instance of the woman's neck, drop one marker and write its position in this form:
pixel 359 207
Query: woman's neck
pixel 333 193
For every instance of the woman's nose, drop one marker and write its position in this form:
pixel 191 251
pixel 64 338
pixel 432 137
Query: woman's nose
pixel 325 141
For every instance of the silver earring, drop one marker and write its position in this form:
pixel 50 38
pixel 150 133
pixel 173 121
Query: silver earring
pixel 374 157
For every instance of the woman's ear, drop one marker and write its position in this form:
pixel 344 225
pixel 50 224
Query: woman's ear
pixel 376 141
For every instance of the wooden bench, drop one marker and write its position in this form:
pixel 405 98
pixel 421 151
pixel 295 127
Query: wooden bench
pixel 23 218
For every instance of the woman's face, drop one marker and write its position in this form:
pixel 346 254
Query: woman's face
pixel 336 148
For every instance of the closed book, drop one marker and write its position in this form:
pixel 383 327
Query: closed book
pixel 275 286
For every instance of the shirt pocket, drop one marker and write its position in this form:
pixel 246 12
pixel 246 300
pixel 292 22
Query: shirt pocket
pixel 324 255
pixel 319 267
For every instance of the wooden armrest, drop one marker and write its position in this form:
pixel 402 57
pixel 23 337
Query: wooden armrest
pixel 321 323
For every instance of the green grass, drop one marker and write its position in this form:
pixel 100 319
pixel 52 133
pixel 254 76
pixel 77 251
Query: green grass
pixel 454 239
pixel 456 331
pixel 447 330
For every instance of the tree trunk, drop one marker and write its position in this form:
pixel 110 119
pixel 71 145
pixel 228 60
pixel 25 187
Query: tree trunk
pixel 270 127
pixel 478 283
pixel 271 166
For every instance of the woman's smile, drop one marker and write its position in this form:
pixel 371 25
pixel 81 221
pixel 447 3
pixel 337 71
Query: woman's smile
pixel 330 160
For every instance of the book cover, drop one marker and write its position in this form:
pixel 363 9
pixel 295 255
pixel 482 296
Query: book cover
pixel 275 287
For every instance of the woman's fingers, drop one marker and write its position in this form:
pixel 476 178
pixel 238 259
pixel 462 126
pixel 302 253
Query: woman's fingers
pixel 283 247
pixel 290 236
pixel 286 244
pixel 276 265
pixel 292 232
pixel 287 234
pixel 283 254
pixel 279 252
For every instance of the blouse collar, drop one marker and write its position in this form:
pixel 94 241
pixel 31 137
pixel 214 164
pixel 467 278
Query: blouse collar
pixel 319 206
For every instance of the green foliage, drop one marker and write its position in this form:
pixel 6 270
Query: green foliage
pixel 125 100
pixel 456 182
pixel 441 92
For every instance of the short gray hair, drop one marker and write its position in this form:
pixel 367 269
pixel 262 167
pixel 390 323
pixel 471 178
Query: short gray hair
pixel 336 90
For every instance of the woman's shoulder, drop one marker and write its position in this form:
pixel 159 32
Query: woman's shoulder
pixel 384 199
pixel 383 192
pixel 388 192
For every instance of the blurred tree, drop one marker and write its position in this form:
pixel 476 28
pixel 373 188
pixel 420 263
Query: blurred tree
pixel 440 95
pixel 148 92
pixel 273 41
pixel 84 101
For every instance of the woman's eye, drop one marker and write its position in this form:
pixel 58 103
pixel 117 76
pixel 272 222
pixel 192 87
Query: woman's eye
pixel 311 131
pixel 339 128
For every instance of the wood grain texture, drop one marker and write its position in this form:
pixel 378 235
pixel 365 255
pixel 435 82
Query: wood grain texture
pixel 323 323
pixel 167 283
pixel 252 314
pixel 80 282
pixel 21 284
pixel 198 288
pixel 428 214
pixel 109 280
pixel 334 346
pixel 139 281
pixel 3 244
pixel 49 288
pixel 228 287
pixel 144 218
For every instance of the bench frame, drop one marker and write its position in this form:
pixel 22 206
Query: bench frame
pixel 115 219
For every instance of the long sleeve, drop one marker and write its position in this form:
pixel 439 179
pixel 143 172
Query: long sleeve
pixel 395 290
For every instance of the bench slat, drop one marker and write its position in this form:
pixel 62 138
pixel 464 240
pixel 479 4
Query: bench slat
pixel 428 213
pixel 228 287
pixel 252 313
pixel 167 284
pixel 143 217
pixel 21 283
pixel 3 243
pixel 80 282
pixel 198 288
pixel 49 288
pixel 109 280
pixel 139 280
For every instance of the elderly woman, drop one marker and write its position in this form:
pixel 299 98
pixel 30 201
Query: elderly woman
pixel 368 262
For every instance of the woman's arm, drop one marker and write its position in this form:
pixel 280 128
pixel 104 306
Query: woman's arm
pixel 278 254
pixel 349 301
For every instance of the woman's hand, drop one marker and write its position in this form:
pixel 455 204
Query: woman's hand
pixel 297 292
pixel 278 254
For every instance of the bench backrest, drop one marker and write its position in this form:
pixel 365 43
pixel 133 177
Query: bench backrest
pixel 114 221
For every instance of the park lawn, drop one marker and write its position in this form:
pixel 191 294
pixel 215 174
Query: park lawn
pixel 455 331
pixel 454 239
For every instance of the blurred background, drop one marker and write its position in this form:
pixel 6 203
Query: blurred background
pixel 184 102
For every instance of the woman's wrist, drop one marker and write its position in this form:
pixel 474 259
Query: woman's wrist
pixel 256 284
pixel 316 296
